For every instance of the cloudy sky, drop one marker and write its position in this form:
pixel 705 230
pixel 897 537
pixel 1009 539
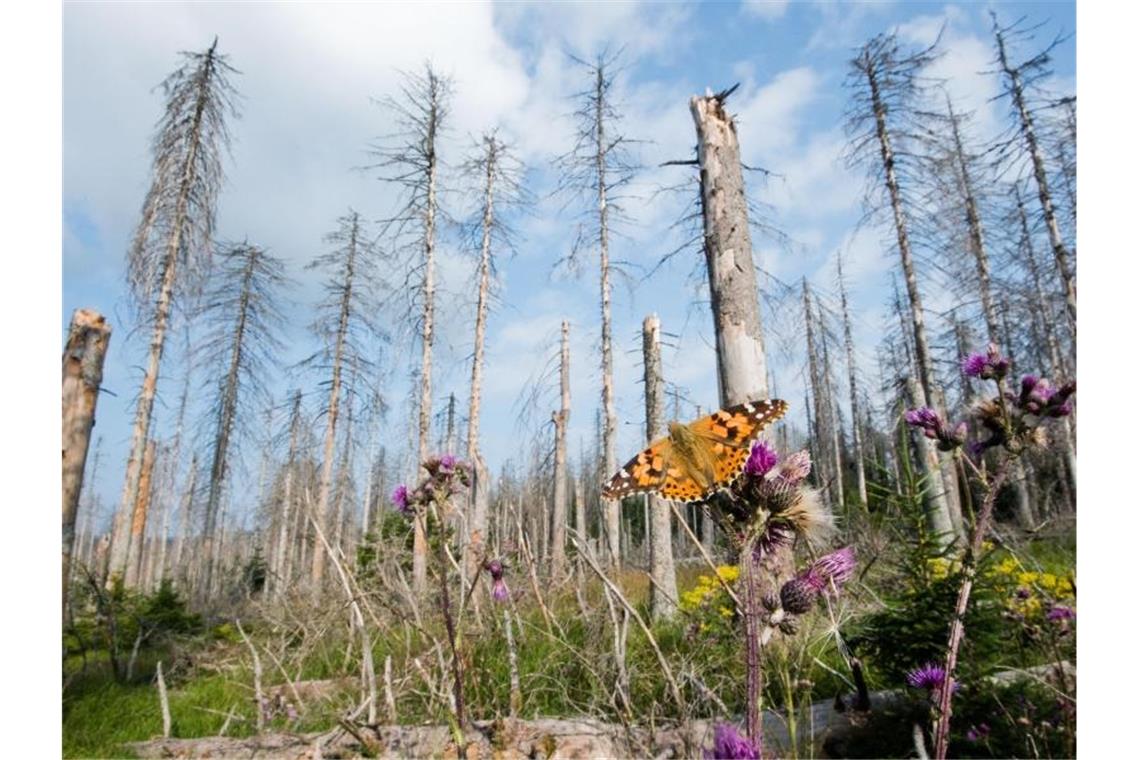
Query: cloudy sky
pixel 311 76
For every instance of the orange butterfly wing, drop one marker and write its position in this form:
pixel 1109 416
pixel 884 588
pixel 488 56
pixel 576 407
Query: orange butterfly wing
pixel 645 472
pixel 729 433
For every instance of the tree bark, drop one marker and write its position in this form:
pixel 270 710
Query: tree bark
pixel 1060 251
pixel 856 426
pixel 138 518
pixel 611 509
pixel 317 571
pixel 420 546
pixel 477 513
pixel 87 340
pixel 184 519
pixel 561 489
pixel 741 366
pixel 120 539
pixel 663 597
pixel 227 416
pixel 819 432
pixel 937 508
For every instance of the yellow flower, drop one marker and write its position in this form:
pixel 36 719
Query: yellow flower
pixel 1026 579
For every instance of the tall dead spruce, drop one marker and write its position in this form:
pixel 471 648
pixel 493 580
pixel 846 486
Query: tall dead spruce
pixel 1016 81
pixel 242 319
pixel 172 243
pixel 410 160
pixel 498 175
pixel 886 84
pixel 345 329
pixel 597 168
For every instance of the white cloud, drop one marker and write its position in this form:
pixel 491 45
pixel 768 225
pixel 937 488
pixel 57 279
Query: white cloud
pixel 770 118
pixel 769 10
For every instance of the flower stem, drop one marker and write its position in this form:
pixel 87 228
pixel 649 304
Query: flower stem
pixel 957 625
pixel 751 570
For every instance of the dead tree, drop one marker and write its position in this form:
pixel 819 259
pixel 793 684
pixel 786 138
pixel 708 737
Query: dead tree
pixel 139 516
pixel 1017 78
pixel 561 490
pixel 87 340
pixel 499 175
pixel 413 165
pixel 849 349
pixel 172 243
pixel 663 597
pixel 741 365
pixel 243 322
pixel 885 84
pixel 344 327
pixel 831 406
pixel 597 169
pixel 964 167
pixel 281 573
pixel 815 377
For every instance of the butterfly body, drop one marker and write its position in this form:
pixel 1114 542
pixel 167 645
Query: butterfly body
pixel 698 459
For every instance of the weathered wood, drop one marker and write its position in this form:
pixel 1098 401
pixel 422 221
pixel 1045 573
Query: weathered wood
pixel 741 364
pixel 856 424
pixel 83 355
pixel 139 516
pixel 937 506
pixel 561 476
pixel 663 598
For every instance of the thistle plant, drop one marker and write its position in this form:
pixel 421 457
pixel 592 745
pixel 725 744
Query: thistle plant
pixel 431 503
pixel 1009 423
pixel 764 513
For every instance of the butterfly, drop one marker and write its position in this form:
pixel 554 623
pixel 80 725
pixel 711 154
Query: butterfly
pixel 696 460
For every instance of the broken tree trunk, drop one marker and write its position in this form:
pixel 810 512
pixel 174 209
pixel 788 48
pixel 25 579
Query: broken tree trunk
pixel 83 356
pixel 741 367
pixel 663 598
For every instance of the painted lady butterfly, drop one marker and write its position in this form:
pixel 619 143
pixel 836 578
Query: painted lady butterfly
pixel 696 460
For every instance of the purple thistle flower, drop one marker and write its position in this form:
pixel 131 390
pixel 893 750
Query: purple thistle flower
pixel 826 573
pixel 400 499
pixel 447 463
pixel 761 459
pixel 923 417
pixel 978 733
pixel 988 366
pixel 729 744
pixel 930 676
pixel 499 590
pixel 1060 612
pixel 973 365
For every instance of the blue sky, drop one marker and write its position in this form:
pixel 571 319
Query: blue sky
pixel 310 77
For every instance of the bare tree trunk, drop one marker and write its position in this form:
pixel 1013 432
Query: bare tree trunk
pixel 741 366
pixel 325 486
pixel 1029 134
pixel 819 432
pixel 561 489
pixel 87 340
pixel 477 514
pixel 1058 365
pixel 281 570
pixel 612 509
pixel 856 427
pixel 420 546
pixel 226 418
pixel 184 520
pixel 138 518
pixel 663 597
pixel 188 177
pixel 832 408
pixel 937 508
pixel 989 312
